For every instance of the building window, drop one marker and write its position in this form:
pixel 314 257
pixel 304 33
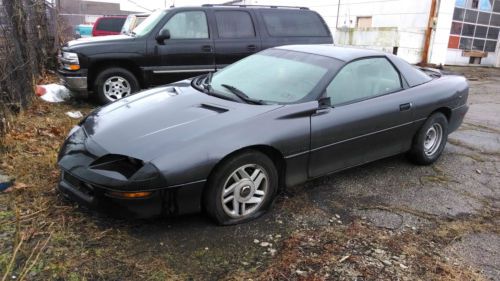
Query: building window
pixel 460 3
pixel 458 14
pixel 468 30
pixel 485 5
pixel 454 42
pixel 496 7
pixel 490 46
pixel 364 22
pixel 470 16
pixel 493 33
pixel 456 28
pixel 480 31
pixel 475 25
pixel 478 45
pixel 484 18
pixel 474 4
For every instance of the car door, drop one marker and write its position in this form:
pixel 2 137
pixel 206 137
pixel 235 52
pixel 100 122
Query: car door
pixel 189 51
pixel 237 36
pixel 370 118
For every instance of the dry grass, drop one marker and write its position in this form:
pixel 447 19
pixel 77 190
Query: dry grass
pixel 42 236
pixel 353 251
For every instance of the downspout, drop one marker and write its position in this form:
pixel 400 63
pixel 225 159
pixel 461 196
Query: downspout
pixel 428 33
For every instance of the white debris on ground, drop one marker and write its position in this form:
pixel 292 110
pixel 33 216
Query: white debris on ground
pixel 53 92
pixel 74 114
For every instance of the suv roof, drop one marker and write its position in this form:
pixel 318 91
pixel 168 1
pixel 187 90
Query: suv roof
pixel 255 6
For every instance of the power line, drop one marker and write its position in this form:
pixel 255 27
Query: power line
pixel 140 6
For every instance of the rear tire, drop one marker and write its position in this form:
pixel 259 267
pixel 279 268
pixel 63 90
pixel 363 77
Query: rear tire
pixel 115 83
pixel 430 140
pixel 242 188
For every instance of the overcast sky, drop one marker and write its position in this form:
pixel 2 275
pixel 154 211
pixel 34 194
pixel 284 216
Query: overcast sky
pixel 144 5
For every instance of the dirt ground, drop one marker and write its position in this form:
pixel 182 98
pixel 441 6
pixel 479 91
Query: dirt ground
pixel 388 220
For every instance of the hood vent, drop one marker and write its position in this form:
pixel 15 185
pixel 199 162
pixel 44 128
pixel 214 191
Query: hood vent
pixel 213 108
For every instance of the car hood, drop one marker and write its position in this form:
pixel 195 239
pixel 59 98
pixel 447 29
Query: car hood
pixel 169 116
pixel 99 40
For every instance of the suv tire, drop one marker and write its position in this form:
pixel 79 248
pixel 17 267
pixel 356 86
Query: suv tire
pixel 115 83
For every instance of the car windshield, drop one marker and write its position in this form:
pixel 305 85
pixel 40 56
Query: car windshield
pixel 274 76
pixel 149 23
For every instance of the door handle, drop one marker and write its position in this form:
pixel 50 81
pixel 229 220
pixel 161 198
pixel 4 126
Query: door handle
pixel 405 106
pixel 206 48
pixel 252 47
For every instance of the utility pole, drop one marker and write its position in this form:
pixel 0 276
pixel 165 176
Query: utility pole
pixel 428 33
pixel 338 12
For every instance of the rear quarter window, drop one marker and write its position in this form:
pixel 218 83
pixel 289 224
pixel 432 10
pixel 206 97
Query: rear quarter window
pixel 413 76
pixel 110 24
pixel 293 23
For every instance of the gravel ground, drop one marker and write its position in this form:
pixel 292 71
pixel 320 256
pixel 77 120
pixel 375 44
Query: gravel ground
pixel 387 220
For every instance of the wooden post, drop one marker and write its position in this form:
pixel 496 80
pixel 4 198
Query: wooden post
pixel 428 33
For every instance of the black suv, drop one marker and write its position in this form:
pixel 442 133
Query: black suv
pixel 178 43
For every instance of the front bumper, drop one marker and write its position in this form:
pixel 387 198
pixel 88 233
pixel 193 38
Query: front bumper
pixel 75 81
pixel 97 188
pixel 170 201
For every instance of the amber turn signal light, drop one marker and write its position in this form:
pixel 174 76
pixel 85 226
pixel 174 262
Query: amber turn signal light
pixel 74 67
pixel 131 195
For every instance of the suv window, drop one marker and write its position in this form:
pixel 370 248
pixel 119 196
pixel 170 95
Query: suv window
pixel 234 24
pixel 188 25
pixel 110 24
pixel 294 23
pixel 363 79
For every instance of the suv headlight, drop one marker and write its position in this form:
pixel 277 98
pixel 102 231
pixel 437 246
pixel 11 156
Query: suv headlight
pixel 70 61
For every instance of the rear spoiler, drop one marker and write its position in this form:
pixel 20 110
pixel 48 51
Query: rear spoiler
pixel 432 72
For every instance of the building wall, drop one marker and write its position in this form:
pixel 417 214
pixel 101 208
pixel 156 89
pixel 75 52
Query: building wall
pixel 75 12
pixel 395 23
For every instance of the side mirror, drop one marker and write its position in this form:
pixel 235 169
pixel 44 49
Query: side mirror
pixel 324 103
pixel 162 36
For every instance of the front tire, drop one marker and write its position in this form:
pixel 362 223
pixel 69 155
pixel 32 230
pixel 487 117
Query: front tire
pixel 242 188
pixel 430 140
pixel 115 83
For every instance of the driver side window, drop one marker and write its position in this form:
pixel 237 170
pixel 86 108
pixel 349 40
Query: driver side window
pixel 363 79
pixel 188 25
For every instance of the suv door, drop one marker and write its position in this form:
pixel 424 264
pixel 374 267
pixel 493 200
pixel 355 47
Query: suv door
pixel 236 36
pixel 370 118
pixel 188 52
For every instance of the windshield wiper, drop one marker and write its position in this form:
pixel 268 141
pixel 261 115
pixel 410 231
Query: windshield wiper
pixel 240 94
pixel 208 80
pixel 206 87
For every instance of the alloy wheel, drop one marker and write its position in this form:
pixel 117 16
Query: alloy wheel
pixel 245 190
pixel 116 87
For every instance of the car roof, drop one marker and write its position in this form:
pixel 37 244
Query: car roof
pixel 328 50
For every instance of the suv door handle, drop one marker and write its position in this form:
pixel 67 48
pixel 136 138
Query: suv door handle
pixel 252 47
pixel 405 106
pixel 206 48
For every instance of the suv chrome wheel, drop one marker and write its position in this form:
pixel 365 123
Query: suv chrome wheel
pixel 116 87
pixel 244 190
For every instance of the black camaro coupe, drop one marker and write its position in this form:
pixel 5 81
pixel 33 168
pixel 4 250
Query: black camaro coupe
pixel 227 142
